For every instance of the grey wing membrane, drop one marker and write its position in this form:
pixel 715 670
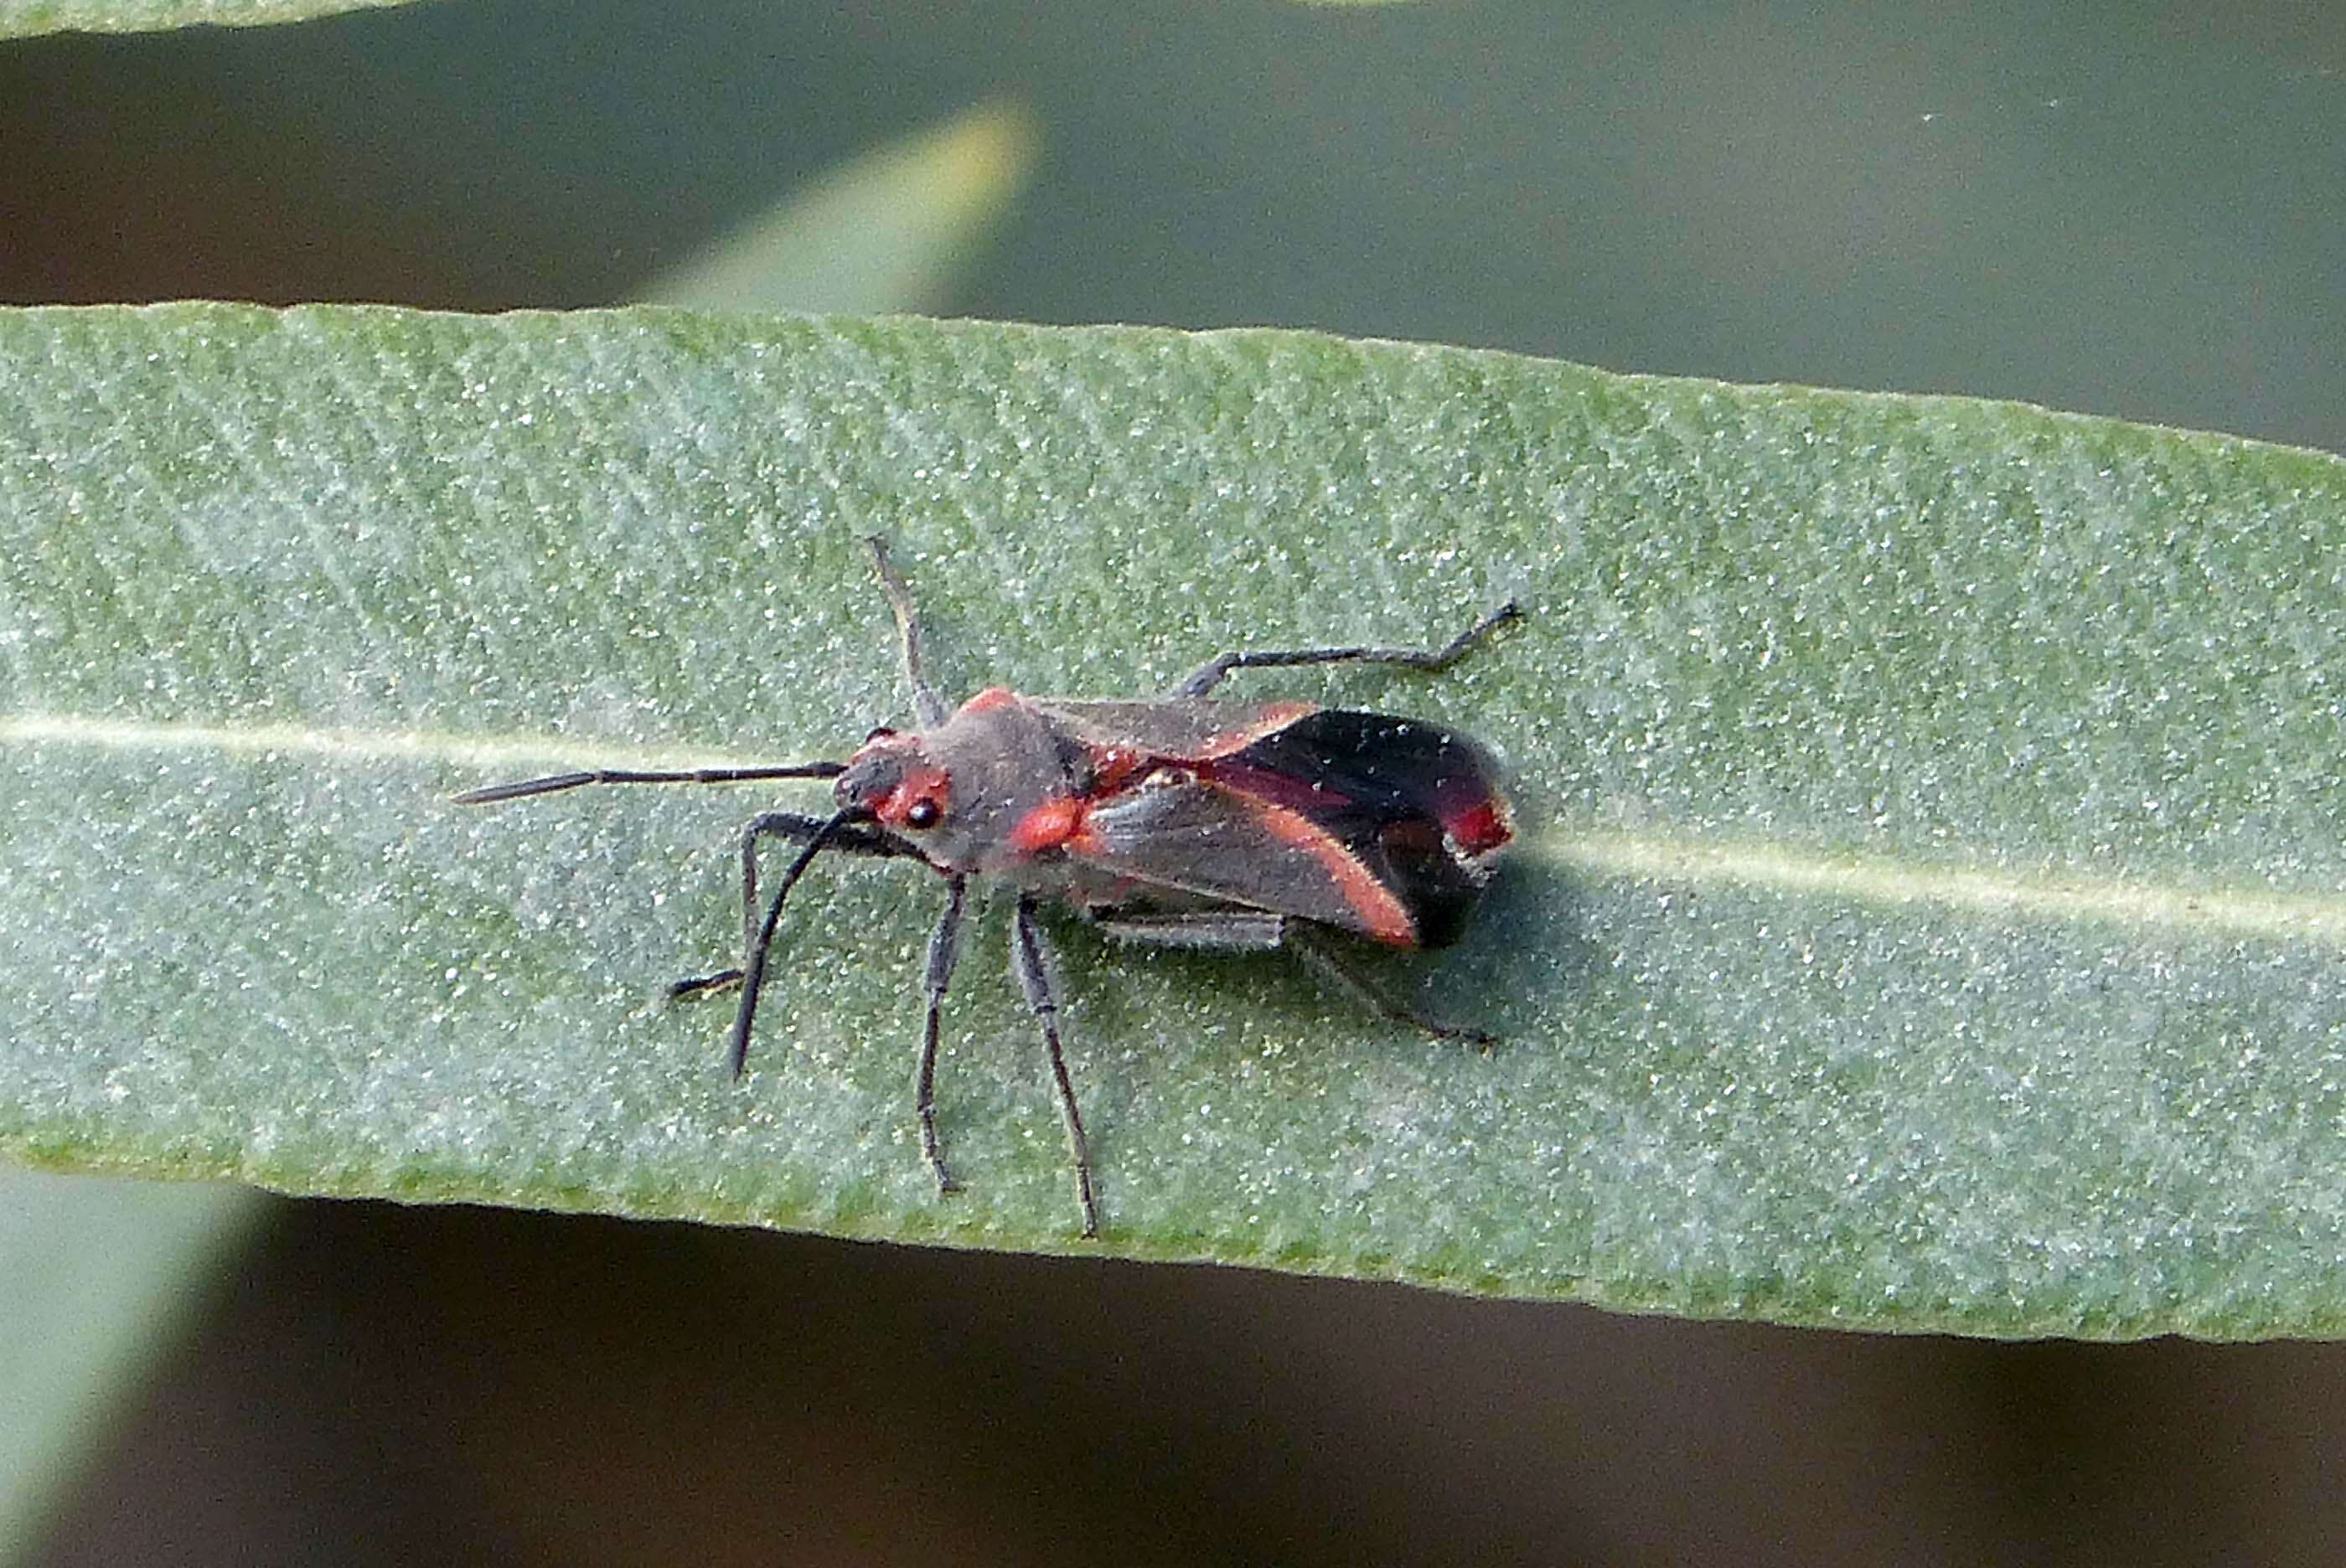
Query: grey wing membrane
pixel 1200 838
pixel 1188 730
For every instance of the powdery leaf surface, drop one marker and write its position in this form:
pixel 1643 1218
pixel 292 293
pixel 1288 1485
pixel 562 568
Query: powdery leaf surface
pixel 27 18
pixel 1927 916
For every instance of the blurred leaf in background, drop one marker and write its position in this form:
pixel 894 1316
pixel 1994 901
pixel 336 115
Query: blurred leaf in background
pixel 95 1276
pixel 891 231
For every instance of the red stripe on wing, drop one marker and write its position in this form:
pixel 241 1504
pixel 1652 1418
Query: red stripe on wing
pixel 1383 914
pixel 1268 719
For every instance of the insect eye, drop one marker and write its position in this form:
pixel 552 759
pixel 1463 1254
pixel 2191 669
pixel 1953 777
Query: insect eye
pixel 924 814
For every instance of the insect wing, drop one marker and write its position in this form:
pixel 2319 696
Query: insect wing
pixel 1201 837
pixel 1419 805
pixel 1373 768
pixel 1192 729
pixel 1387 827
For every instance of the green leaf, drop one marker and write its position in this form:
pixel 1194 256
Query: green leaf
pixel 24 18
pixel 1927 915
pixel 27 18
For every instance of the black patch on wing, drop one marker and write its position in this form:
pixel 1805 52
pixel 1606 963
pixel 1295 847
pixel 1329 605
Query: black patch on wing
pixel 1381 787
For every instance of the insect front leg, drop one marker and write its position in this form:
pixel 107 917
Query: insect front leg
pixel 1027 955
pixel 791 827
pixel 1251 931
pixel 944 949
pixel 1207 676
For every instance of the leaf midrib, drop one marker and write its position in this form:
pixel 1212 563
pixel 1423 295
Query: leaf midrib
pixel 1683 858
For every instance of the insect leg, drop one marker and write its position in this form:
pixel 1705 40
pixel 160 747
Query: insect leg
pixel 945 947
pixel 1249 931
pixel 927 706
pixel 761 943
pixel 853 838
pixel 1308 945
pixel 1026 953
pixel 1236 931
pixel 1207 676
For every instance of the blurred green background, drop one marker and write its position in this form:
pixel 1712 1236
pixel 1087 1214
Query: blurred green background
pixel 2128 210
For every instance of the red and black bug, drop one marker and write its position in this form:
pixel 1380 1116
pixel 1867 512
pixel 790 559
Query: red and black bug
pixel 1182 822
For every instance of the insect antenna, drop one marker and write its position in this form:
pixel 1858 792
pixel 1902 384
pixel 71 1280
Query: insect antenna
pixel 753 974
pixel 928 705
pixel 553 783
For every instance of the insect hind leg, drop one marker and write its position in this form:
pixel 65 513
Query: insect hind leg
pixel 1210 674
pixel 791 827
pixel 1249 931
pixel 1212 930
pixel 1314 949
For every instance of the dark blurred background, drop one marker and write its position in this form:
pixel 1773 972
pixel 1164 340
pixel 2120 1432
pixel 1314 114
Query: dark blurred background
pixel 2133 210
